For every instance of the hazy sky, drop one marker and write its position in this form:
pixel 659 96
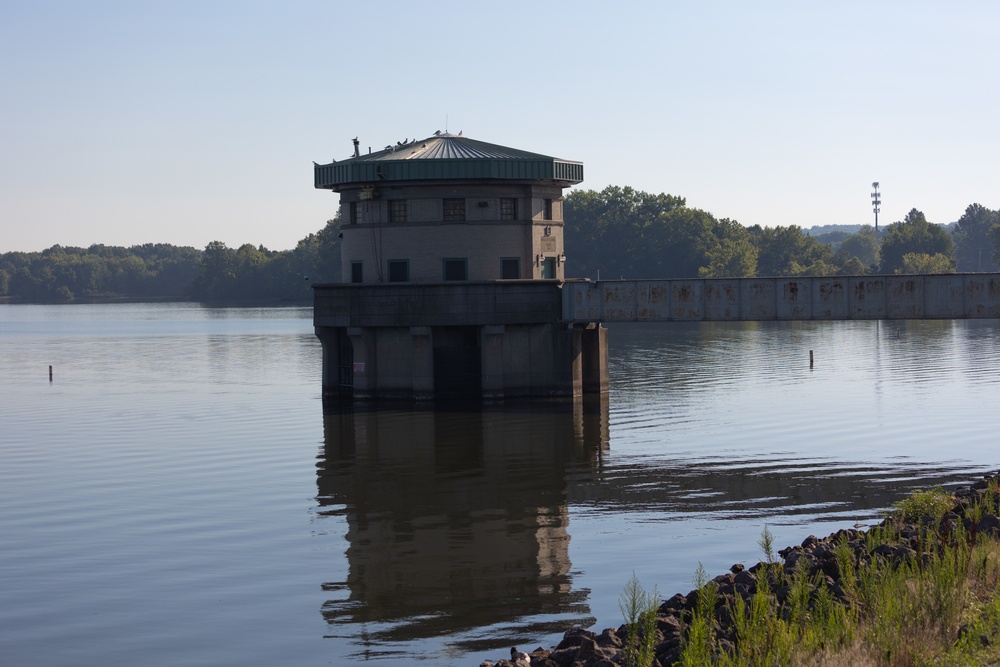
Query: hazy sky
pixel 187 122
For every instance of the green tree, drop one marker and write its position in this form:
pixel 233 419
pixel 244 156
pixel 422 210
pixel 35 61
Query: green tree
pixel 787 251
pixel 128 275
pixel 675 245
pixel 170 269
pixel 255 274
pixel 92 274
pixel 609 231
pixel 862 246
pixel 251 279
pixel 819 267
pixel 917 262
pixel 971 239
pixel 35 282
pixel 216 277
pixel 327 265
pixel 733 255
pixel 317 256
pixel 853 267
pixel 994 236
pixel 64 273
pixel 913 235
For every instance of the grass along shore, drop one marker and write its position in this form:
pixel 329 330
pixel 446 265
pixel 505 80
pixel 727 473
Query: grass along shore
pixel 921 588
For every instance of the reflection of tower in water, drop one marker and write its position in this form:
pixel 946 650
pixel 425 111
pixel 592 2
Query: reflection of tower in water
pixel 455 520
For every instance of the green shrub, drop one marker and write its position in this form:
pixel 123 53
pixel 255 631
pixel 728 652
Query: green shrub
pixel 639 609
pixel 931 503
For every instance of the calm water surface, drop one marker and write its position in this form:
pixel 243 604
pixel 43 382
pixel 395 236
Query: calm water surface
pixel 176 494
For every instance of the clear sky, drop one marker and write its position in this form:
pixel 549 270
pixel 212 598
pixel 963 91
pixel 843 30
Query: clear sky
pixel 180 122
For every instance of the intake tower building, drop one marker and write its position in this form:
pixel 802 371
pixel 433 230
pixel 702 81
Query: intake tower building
pixel 449 208
pixel 452 270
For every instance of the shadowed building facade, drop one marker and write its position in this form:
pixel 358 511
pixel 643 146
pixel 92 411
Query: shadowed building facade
pixel 449 208
pixel 452 268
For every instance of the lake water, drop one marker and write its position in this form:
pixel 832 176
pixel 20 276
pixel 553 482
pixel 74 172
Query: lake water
pixel 177 495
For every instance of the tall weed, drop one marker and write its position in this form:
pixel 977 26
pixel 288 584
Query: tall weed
pixel 639 609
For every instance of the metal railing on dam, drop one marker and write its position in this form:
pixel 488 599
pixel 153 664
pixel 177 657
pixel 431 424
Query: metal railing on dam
pixel 886 297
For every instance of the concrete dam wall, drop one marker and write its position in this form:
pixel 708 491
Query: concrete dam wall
pixel 946 296
pixel 508 338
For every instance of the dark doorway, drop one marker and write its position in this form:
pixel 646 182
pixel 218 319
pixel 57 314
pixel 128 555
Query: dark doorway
pixel 457 363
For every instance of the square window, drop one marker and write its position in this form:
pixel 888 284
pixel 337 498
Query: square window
pixel 397 210
pixel 510 268
pixel 456 269
pixel 399 270
pixel 357 272
pixel 454 210
pixel 508 209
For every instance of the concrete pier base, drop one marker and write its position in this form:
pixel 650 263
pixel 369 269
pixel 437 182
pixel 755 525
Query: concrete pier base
pixel 595 359
pixel 482 340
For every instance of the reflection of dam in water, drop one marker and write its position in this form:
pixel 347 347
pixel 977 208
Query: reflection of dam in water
pixel 457 523
pixel 456 520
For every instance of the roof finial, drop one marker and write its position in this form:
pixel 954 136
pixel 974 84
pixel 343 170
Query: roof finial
pixel 357 147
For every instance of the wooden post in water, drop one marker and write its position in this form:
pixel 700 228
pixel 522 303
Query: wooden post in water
pixel 50 373
pixel 810 358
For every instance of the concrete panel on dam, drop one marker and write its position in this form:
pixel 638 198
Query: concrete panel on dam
pixel 866 298
pixel 757 299
pixel 982 295
pixel 829 299
pixel 722 299
pixel 687 300
pixel 944 296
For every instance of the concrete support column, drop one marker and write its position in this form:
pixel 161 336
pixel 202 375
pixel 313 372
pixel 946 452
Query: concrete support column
pixel 329 341
pixel 491 350
pixel 576 360
pixel 363 345
pixel 423 363
pixel 595 360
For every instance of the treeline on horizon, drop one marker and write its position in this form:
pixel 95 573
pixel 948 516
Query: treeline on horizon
pixel 625 233
pixel 217 274
pixel 618 232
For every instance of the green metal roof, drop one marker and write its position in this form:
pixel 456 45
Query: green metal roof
pixel 447 157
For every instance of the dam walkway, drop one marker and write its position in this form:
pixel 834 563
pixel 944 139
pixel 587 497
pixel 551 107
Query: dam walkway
pixel 880 297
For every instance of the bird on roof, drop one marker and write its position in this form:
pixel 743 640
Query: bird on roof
pixel 519 658
pixel 438 133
